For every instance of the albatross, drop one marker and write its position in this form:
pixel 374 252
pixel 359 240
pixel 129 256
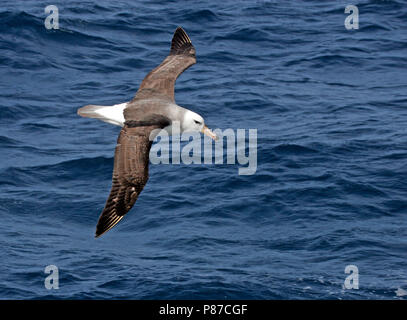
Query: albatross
pixel 153 108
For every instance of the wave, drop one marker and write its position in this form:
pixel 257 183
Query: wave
pixel 245 34
pixel 62 171
pixel 294 149
pixel 203 15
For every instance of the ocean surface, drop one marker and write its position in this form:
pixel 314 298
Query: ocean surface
pixel 330 191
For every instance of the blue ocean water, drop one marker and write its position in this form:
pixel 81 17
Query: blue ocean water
pixel 330 109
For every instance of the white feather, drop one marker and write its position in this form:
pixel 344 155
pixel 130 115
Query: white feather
pixel 110 114
pixel 113 114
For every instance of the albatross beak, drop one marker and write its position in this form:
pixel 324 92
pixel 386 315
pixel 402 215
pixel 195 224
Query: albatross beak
pixel 209 133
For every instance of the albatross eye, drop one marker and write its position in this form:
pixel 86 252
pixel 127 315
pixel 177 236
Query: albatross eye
pixel 197 122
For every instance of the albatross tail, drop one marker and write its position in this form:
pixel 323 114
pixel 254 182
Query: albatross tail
pixel 110 114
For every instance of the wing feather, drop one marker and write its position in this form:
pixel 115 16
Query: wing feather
pixel 130 174
pixel 161 80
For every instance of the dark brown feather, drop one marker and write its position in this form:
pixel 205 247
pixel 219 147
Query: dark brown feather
pixel 130 173
pixel 160 82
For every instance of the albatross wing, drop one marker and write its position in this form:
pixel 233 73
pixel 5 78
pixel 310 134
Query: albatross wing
pixel 130 172
pixel 161 80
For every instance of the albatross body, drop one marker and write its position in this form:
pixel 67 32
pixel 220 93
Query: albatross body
pixel 153 108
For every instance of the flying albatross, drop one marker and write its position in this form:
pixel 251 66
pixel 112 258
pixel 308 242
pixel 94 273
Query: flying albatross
pixel 152 108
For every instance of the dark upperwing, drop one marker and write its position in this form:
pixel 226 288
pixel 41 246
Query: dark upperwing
pixel 160 81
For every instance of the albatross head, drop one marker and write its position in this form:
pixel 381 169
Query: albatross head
pixel 194 122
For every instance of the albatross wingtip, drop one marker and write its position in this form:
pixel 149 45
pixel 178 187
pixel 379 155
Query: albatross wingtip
pixel 181 43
